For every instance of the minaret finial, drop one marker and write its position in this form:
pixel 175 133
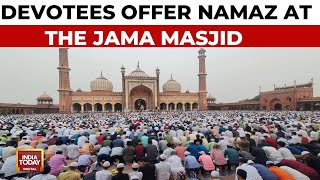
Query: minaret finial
pixel 274 86
pixel 259 89
pixel 101 72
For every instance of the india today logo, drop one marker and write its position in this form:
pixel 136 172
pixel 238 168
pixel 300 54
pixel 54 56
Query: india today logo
pixel 29 160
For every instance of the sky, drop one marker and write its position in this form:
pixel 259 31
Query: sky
pixel 233 74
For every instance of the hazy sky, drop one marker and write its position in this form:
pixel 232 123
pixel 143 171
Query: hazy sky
pixel 233 73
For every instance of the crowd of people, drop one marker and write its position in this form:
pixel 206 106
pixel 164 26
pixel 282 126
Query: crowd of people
pixel 165 145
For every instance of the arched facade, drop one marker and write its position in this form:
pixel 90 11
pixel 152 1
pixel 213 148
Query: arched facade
pixel 137 88
pixel 76 108
pixel 98 107
pixel 275 105
pixel 141 94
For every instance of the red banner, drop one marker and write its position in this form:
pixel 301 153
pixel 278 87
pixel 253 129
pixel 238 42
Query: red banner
pixel 160 36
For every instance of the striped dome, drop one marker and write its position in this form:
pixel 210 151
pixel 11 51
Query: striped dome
pixel 101 84
pixel 171 86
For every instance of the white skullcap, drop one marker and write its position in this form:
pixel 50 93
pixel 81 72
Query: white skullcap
pixel 106 164
pixel 120 165
pixel 215 174
pixel 73 164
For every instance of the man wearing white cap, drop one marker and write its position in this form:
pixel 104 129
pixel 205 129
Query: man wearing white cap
pixel 162 168
pixel 223 143
pixel 104 174
pixel 73 150
pixel 206 161
pixel 71 173
pixel 26 145
pixel 121 175
pixel 43 144
pixel 191 163
pixel 135 168
pixel 176 165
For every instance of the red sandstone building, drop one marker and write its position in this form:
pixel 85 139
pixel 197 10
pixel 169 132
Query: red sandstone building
pixel 44 106
pixel 141 91
pixel 295 97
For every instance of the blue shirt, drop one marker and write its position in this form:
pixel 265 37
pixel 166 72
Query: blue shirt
pixel 144 139
pixel 264 172
pixel 131 136
pixel 294 150
pixel 202 148
pixel 193 150
pixel 301 148
pixel 191 162
pixel 76 137
pixel 117 143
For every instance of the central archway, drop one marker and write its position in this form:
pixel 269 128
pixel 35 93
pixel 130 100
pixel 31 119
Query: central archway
pixel 277 107
pixel 143 95
pixel 140 104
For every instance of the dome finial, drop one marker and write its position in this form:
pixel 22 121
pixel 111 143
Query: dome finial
pixel 138 64
pixel 101 73
pixel 171 77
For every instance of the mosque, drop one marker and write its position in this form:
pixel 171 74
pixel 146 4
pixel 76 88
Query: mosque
pixel 140 91
pixel 143 92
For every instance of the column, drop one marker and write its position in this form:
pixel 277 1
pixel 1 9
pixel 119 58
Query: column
pixel 82 108
pixel 183 107
pixel 113 108
pixel 103 108
pixel 311 106
pixel 167 107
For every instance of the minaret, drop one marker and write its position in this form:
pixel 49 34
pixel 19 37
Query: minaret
pixel 123 71
pixel 64 82
pixel 203 106
pixel 158 88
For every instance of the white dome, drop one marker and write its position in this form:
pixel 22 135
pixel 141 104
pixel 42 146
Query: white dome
pixel 44 97
pixel 171 86
pixel 101 84
pixel 138 72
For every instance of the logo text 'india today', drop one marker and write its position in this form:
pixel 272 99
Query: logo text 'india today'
pixel 29 160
